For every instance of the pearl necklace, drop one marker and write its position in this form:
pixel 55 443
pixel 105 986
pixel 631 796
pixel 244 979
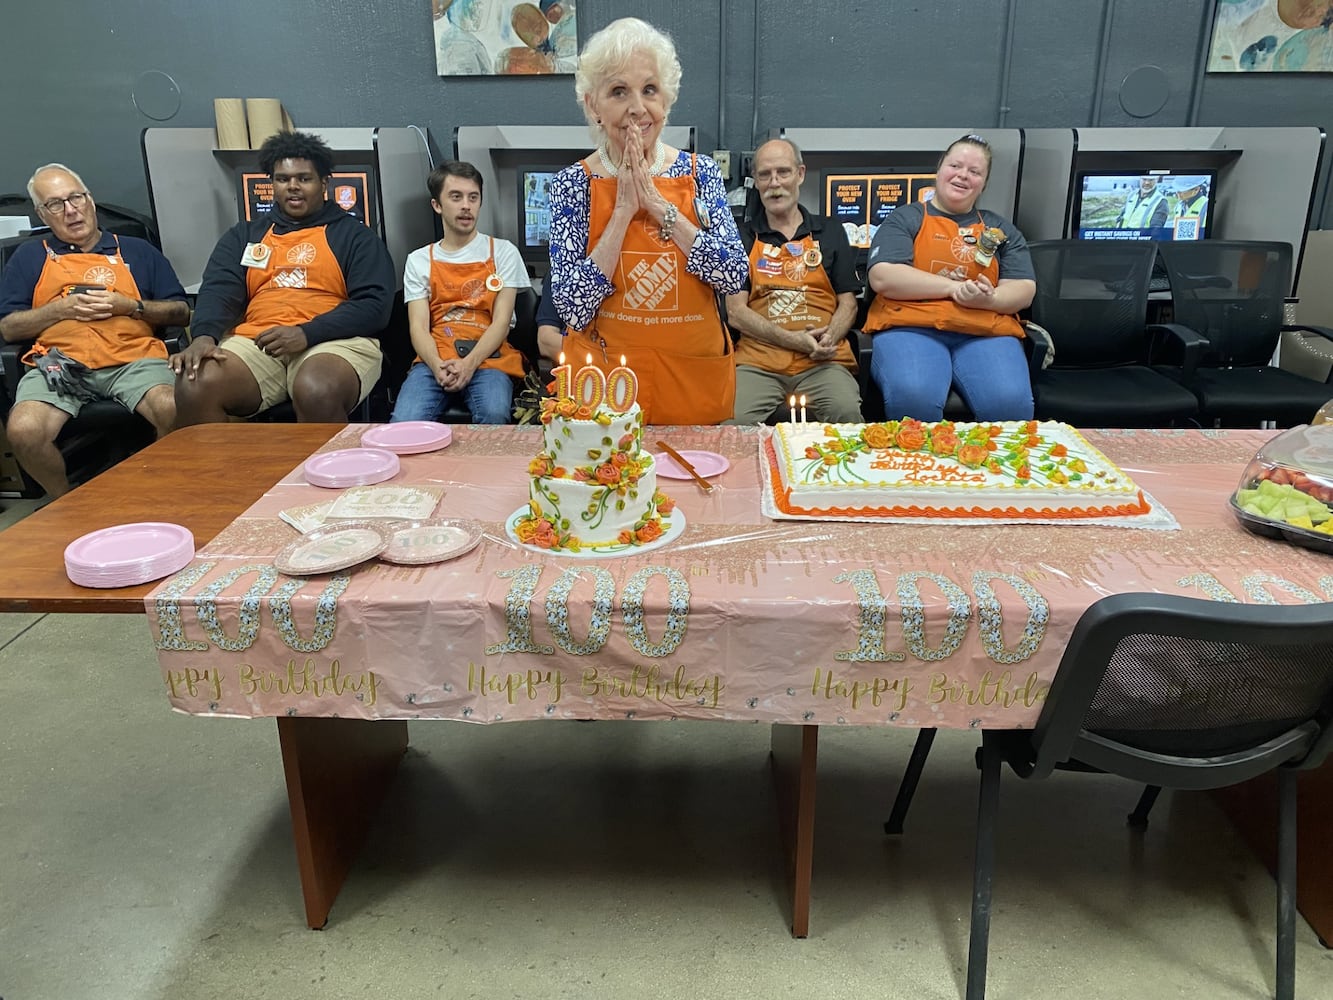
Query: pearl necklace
pixel 612 168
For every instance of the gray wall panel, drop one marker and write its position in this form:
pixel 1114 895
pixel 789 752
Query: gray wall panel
pixel 822 63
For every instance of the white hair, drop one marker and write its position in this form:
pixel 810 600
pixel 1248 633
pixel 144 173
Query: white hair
pixel 32 181
pixel 610 50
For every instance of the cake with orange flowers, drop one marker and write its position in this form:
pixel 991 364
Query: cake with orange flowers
pixel 593 486
pixel 1018 470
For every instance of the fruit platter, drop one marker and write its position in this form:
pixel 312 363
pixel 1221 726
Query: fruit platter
pixel 1287 489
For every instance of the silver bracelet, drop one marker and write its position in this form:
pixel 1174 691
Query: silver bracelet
pixel 669 221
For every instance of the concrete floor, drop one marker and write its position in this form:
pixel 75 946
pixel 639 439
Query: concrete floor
pixel 147 855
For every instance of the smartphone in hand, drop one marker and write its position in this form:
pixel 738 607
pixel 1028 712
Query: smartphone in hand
pixel 83 289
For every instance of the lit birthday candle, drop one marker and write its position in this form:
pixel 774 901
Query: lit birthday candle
pixel 791 404
pixel 562 375
pixel 622 388
pixel 802 409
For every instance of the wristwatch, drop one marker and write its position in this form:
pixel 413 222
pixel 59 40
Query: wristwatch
pixel 138 307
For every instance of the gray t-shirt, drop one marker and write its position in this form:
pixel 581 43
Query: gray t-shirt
pixel 894 242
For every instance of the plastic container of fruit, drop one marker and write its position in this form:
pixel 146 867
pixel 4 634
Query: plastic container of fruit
pixel 1286 490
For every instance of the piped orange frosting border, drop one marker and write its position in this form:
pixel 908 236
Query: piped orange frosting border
pixel 782 500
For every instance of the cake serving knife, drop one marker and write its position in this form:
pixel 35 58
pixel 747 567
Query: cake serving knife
pixel 679 459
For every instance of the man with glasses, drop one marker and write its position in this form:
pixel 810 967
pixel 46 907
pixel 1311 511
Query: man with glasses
pixel 91 300
pixel 799 305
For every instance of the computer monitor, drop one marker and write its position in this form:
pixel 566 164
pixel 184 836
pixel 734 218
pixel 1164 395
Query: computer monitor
pixel 352 187
pixel 534 210
pixel 1151 204
pixel 862 199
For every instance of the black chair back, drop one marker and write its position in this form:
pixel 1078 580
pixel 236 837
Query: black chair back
pixel 1092 297
pixel 1190 693
pixel 1232 292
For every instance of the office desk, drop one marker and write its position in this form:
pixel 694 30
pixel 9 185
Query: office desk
pixel 796 624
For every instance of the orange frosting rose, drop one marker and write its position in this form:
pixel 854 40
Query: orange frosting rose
pixel 608 474
pixel 876 436
pixel 973 455
pixel 911 436
pixel 650 532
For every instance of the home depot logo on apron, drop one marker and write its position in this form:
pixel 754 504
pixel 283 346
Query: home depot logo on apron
pixel 786 290
pixel 462 306
pixel 663 319
pixel 944 247
pixel 303 280
pixel 101 343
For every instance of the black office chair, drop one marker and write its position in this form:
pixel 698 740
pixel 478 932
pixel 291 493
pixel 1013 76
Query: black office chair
pixel 103 433
pixel 1172 692
pixel 1232 293
pixel 1091 314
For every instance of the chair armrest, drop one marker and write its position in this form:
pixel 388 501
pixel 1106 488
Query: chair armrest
pixel 1191 341
pixel 1321 331
pixel 1041 348
pixel 864 348
pixel 11 367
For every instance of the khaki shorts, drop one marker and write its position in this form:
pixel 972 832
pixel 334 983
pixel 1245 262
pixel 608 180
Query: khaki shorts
pixel 276 377
pixel 127 384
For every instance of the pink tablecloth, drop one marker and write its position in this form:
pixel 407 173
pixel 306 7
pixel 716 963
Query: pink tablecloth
pixel 741 618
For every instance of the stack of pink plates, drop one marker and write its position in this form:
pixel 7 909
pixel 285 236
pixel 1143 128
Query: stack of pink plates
pixel 128 554
pixel 351 467
pixel 409 437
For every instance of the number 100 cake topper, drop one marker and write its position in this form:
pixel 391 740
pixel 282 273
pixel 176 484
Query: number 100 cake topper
pixel 589 386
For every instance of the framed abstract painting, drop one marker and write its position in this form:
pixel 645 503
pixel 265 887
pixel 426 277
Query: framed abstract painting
pixel 504 38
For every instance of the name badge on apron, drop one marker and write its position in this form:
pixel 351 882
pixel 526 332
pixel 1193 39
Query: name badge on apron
pixel 256 255
pixel 494 283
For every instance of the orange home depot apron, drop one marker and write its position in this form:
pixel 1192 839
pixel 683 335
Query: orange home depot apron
pixel 663 319
pixel 942 246
pixel 303 280
pixel 462 306
pixel 100 343
pixel 787 291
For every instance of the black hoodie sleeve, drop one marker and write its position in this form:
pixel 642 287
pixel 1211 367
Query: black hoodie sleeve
pixel 368 272
pixel 223 295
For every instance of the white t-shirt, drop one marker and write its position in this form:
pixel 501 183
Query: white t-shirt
pixel 508 264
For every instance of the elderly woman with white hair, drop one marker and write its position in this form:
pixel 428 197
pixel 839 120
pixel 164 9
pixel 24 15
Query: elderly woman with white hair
pixel 642 240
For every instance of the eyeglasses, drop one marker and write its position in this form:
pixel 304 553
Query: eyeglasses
pixel 76 201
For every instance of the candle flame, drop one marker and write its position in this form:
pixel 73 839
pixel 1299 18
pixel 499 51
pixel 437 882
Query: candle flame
pixel 562 357
pixel 588 360
pixel 622 361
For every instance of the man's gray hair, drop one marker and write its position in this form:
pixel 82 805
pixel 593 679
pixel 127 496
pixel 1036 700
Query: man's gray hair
pixel 610 50
pixel 32 181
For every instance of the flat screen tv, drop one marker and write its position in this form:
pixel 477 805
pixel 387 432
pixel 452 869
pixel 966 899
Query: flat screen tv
pixel 862 199
pixel 351 187
pixel 1149 204
pixel 534 211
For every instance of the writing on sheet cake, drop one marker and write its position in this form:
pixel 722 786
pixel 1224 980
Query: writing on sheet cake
pixel 916 468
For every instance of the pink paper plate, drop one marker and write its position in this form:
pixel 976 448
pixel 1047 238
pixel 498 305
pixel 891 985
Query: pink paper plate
pixel 706 463
pixel 128 554
pixel 351 467
pixel 411 437
pixel 333 547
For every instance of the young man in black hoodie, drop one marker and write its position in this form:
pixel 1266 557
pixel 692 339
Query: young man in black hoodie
pixel 291 302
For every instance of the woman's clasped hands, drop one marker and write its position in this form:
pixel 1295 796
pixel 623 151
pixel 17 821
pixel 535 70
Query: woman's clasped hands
pixel 975 293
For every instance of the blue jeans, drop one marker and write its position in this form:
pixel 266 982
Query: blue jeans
pixel 489 396
pixel 914 369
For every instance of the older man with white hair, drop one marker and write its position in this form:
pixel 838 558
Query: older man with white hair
pixel 91 300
